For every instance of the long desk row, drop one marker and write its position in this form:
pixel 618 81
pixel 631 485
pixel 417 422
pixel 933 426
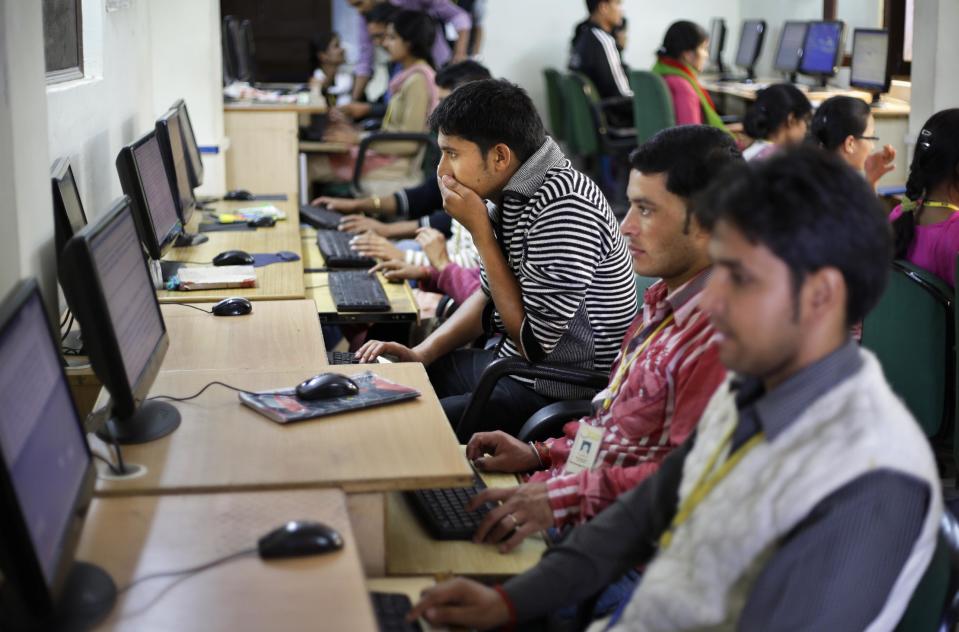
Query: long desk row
pixel 228 475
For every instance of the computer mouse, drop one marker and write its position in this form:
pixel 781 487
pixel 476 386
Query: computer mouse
pixel 264 221
pixel 326 386
pixel 239 194
pixel 297 538
pixel 233 258
pixel 233 306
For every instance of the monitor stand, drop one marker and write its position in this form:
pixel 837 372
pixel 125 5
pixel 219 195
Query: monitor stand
pixel 185 240
pixel 87 597
pixel 152 420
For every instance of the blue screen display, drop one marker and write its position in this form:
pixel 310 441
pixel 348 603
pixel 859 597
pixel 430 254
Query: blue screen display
pixel 823 40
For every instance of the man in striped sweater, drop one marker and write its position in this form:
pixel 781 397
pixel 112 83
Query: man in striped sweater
pixel 668 365
pixel 555 274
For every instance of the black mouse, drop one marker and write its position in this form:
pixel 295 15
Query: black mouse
pixel 239 194
pixel 233 258
pixel 297 538
pixel 325 386
pixel 233 306
pixel 263 221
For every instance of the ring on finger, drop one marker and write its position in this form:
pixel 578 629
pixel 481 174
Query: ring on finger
pixel 515 521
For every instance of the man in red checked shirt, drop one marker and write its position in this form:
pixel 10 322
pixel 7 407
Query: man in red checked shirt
pixel 666 371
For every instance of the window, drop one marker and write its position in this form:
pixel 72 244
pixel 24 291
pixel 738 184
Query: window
pixel 62 40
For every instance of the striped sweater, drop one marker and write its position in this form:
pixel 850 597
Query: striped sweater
pixel 564 246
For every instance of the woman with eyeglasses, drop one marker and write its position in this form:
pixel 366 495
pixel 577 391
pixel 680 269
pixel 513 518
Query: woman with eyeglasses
pixel 778 118
pixel 845 125
pixel 926 225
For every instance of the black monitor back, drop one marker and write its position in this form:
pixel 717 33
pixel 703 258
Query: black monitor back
pixel 750 44
pixel 170 137
pixel 790 50
pixel 68 215
pixel 190 146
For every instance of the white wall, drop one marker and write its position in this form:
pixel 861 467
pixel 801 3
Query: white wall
pixel 525 36
pixel 935 51
pixel 26 237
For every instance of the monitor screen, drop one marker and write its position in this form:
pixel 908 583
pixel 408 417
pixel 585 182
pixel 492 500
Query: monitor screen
pixel 194 161
pixel 870 54
pixel 717 40
pixel 171 144
pixel 69 217
pixel 750 43
pixel 790 46
pixel 156 193
pixel 128 293
pixel 822 48
pixel 41 439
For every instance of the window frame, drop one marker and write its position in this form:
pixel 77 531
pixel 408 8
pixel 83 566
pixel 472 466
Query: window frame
pixel 73 72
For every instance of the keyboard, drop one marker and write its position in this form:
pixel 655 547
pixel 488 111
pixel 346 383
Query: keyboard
pixel 319 217
pixel 341 357
pixel 337 253
pixel 390 610
pixel 357 291
pixel 443 511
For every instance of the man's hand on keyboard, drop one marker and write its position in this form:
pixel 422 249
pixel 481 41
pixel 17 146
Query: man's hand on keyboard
pixel 505 453
pixel 401 271
pixel 372 245
pixel 525 511
pixel 361 224
pixel 463 602
pixel 375 348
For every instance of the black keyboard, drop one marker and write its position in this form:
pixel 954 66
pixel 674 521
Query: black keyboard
pixel 390 610
pixel 357 291
pixel 341 357
pixel 443 511
pixel 337 253
pixel 319 217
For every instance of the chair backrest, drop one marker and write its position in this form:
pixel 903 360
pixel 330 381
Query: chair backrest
pixel 582 127
pixel 554 98
pixel 642 284
pixel 912 332
pixel 652 105
pixel 932 607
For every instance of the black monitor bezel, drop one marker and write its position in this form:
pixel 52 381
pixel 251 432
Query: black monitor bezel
pixel 132 185
pixel 85 296
pixel 62 226
pixel 840 49
pixel 21 566
pixel 717 59
pixel 229 56
pixel 759 44
pixel 190 146
pixel 234 33
pixel 782 39
pixel 870 87
pixel 166 150
pixel 248 49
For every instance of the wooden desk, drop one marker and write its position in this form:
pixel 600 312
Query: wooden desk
pixel 133 537
pixel 323 147
pixel 278 281
pixel 277 335
pixel 223 445
pixel 411 551
pixel 409 586
pixel 403 307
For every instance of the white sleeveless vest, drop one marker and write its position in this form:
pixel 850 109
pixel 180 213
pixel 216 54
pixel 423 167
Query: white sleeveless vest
pixel 702 580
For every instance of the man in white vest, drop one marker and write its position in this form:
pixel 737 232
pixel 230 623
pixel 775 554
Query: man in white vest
pixel 808 499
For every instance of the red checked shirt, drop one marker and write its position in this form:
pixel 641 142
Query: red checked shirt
pixel 657 406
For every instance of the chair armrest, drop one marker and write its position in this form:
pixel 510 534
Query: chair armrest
pixel 379 137
pixel 519 367
pixel 549 421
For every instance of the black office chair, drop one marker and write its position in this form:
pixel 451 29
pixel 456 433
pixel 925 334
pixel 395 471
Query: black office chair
pixel 430 158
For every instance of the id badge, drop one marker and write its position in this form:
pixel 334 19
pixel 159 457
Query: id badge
pixel 585 449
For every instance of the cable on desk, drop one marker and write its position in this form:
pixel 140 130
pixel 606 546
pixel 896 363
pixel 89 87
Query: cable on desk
pixel 200 392
pixel 191 570
pixel 113 468
pixel 313 287
pixel 66 316
pixel 200 309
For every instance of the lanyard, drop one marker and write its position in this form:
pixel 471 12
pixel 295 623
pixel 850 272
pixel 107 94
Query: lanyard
pixel 941 205
pixel 626 363
pixel 707 481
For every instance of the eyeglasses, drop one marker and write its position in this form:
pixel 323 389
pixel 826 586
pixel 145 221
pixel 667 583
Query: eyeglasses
pixel 874 139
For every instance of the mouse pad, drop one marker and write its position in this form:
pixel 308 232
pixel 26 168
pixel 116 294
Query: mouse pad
pixel 283 406
pixel 210 227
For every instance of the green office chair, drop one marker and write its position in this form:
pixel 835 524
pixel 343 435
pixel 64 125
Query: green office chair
pixel 652 105
pixel 588 134
pixel 554 98
pixel 934 605
pixel 912 332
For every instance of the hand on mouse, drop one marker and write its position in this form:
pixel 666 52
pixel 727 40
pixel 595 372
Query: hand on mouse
pixel 401 271
pixel 372 245
pixel 525 510
pixel 880 163
pixel 505 453
pixel 375 348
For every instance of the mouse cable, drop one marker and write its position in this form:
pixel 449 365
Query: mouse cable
pixel 313 287
pixel 191 570
pixel 200 309
pixel 200 392
pixel 113 468
pixel 66 333
pixel 66 316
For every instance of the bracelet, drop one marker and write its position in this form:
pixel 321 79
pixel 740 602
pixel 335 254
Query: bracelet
pixel 377 202
pixel 539 459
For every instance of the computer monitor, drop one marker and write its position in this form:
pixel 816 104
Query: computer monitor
pixel 790 50
pixel 107 285
pixel 247 50
pixel 170 138
pixel 822 50
pixel 236 41
pixel 870 61
pixel 144 178
pixel 750 45
pixel 227 52
pixel 717 41
pixel 68 215
pixel 190 146
pixel 46 479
